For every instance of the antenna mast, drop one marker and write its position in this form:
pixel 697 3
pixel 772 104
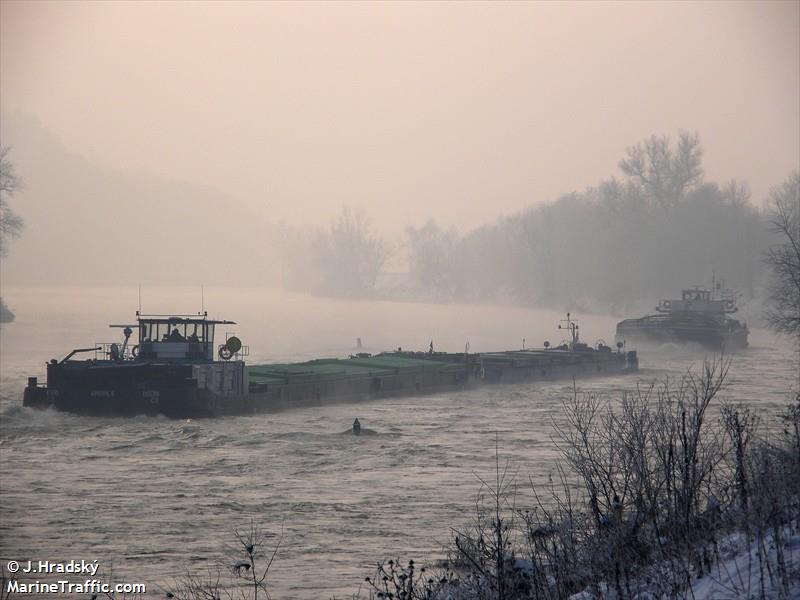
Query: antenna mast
pixel 572 327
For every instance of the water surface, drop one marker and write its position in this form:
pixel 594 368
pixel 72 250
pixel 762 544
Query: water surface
pixel 157 496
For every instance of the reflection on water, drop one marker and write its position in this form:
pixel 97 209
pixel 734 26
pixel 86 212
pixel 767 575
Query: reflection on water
pixel 158 496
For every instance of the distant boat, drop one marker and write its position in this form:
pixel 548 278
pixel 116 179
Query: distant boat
pixel 700 316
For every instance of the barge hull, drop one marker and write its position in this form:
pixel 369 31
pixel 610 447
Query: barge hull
pixel 531 365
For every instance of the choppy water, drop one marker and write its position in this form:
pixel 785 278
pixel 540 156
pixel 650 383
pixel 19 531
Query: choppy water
pixel 156 497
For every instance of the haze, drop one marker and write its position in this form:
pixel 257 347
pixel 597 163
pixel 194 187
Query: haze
pixel 457 112
pixel 391 207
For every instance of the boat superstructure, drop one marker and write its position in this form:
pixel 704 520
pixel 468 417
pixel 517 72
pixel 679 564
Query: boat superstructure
pixel 701 316
pixel 171 368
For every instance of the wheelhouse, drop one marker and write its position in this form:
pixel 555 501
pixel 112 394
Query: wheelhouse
pixel 701 300
pixel 177 338
pixel 696 295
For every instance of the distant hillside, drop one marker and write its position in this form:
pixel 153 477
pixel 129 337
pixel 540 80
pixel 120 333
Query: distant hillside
pixel 85 224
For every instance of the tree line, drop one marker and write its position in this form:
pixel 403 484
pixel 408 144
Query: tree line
pixel 652 229
pixel 10 222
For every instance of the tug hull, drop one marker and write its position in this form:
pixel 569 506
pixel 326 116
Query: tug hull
pixel 718 334
pixel 104 388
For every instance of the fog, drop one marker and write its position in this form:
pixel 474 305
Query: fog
pixel 228 143
pixel 414 204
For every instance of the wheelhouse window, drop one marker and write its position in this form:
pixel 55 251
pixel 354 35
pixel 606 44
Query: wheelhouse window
pixel 176 331
pixel 149 331
pixel 696 295
pixel 176 338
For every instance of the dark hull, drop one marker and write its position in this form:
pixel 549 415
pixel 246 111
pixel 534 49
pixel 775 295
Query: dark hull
pixel 532 365
pixel 159 390
pixel 176 391
pixel 121 390
pixel 720 335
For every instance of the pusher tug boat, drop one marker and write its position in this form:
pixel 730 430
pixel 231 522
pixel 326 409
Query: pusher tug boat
pixel 170 370
pixel 700 316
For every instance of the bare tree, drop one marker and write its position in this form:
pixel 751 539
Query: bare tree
pixel 10 183
pixel 6 582
pixel 430 257
pixel 248 573
pixel 350 256
pixel 392 580
pixel 665 174
pixel 783 314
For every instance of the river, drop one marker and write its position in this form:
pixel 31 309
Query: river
pixel 151 498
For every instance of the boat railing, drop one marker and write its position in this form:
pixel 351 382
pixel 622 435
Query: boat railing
pixel 664 306
pixel 114 351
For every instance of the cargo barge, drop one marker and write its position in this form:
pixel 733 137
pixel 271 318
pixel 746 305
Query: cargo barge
pixel 173 369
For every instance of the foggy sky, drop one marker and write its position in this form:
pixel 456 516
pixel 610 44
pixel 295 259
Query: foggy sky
pixel 458 112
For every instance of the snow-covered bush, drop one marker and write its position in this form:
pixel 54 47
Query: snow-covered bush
pixel 658 495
